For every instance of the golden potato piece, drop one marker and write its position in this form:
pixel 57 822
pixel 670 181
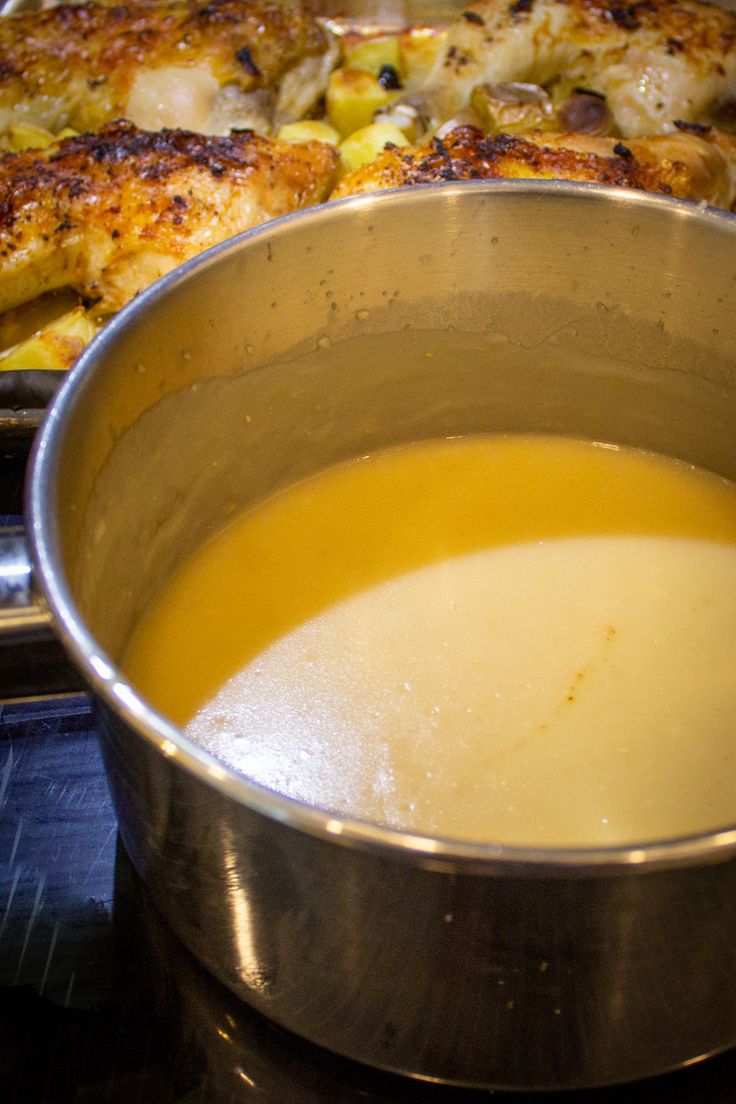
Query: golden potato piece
pixel 366 144
pixel 309 130
pixel 375 54
pixel 353 97
pixel 55 347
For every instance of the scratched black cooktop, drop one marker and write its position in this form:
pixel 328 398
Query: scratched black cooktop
pixel 99 1003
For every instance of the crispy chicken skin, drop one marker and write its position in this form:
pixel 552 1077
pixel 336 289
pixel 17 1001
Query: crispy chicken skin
pixel 107 214
pixel 693 163
pixel 654 60
pixel 77 64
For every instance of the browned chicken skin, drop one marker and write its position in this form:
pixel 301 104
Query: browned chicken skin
pixel 694 163
pixel 107 214
pixel 654 60
pixel 78 64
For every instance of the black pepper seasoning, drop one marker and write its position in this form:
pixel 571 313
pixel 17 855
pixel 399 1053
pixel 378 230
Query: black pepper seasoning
pixel 388 78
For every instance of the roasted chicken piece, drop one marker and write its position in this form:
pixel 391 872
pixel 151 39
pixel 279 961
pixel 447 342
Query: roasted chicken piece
pixel 205 65
pixel 655 61
pixel 695 162
pixel 108 213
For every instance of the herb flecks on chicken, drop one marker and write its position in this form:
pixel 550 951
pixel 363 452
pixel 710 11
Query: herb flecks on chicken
pixel 106 214
pixel 655 61
pixel 696 163
pixel 200 64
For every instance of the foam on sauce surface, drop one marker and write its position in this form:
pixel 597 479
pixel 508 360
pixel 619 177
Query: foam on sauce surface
pixel 529 640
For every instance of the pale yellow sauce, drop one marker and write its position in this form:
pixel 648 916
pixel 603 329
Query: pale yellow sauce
pixel 515 639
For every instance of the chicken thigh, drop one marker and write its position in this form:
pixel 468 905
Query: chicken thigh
pixel 106 214
pixel 200 64
pixel 693 163
pixel 655 61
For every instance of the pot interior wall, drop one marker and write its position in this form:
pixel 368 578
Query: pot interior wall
pixel 444 311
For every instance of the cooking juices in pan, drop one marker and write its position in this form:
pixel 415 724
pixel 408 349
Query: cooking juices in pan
pixel 518 639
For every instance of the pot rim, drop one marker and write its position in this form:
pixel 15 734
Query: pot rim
pixel 110 685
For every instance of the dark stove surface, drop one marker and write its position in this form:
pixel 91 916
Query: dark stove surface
pixel 100 1003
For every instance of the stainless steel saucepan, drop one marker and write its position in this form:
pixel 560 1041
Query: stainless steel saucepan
pixel 545 307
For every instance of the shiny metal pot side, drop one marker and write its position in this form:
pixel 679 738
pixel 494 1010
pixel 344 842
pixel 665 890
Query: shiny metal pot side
pixel 504 306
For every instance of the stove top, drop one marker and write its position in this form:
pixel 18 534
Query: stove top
pixel 100 1003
